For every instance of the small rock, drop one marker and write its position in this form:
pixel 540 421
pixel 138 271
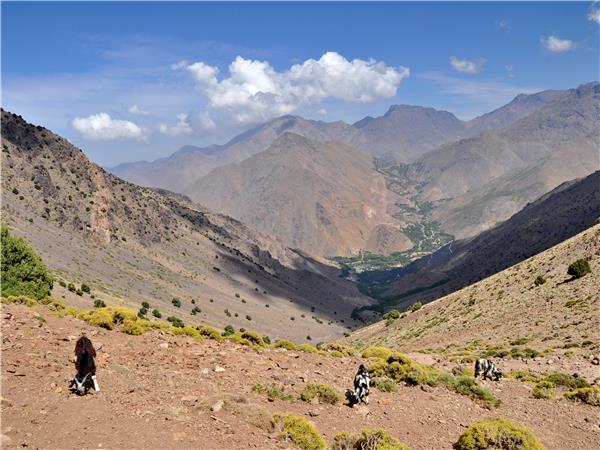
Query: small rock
pixel 189 400
pixel 595 361
pixel 219 369
pixel 217 406
pixel 426 388
pixel 205 371
pixel 69 338
pixel 550 361
pixel 164 345
pixel 362 410
pixel 314 413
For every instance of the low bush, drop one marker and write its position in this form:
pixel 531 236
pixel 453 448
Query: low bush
pixel 272 391
pixel 300 431
pixel 85 288
pixel 228 330
pixel 176 321
pixel 589 395
pixel 567 381
pixel 539 280
pixel 384 384
pixel 335 347
pixel 156 313
pixel 307 348
pixel 500 434
pixel 579 268
pixel 416 306
pixel 367 440
pixel 176 302
pixel 209 332
pixel 377 352
pixel 284 343
pixel 146 305
pixel 543 389
pixel 22 271
pixel 253 337
pixel 322 392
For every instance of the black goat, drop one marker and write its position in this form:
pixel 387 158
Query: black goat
pixel 85 366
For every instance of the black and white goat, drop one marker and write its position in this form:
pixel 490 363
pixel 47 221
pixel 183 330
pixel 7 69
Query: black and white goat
pixel 487 369
pixel 85 366
pixel 362 383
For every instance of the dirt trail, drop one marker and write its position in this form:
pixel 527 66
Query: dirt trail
pixel 157 391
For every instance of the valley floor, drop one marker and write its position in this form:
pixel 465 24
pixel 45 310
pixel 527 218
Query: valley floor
pixel 157 391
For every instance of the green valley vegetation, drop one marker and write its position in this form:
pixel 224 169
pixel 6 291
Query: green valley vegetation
pixel 23 271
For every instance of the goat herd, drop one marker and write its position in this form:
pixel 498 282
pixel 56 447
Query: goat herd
pixel 85 378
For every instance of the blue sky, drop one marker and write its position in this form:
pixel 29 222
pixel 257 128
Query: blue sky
pixel 132 81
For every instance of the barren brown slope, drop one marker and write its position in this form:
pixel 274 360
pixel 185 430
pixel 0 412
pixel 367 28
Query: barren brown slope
pixel 133 244
pixel 322 197
pixel 507 310
pixel 157 391
pixel 566 122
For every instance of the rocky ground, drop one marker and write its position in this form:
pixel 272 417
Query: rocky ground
pixel 165 391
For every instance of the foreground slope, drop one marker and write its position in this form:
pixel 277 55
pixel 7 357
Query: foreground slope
pixel 509 310
pixel 133 244
pixel 323 197
pixel 162 391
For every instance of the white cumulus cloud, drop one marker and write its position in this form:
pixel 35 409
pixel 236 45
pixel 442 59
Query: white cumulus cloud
pixel 467 66
pixel 187 124
pixel 557 45
pixel 135 109
pixel 254 91
pixel 594 12
pixel 102 127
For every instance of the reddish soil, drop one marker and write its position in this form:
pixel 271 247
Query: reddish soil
pixel 157 391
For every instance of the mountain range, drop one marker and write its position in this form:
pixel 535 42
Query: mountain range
pixel 132 244
pixel 343 190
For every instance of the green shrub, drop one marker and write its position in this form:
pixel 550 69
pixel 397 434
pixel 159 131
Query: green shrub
pixel 272 391
pixel 71 287
pixel 543 389
pixel 85 288
pixel 416 306
pixel 176 302
pixel 322 392
pixel 210 332
pixel 469 387
pixel 385 384
pixel 228 330
pixel 284 343
pixel 500 434
pixel 253 337
pixel 146 305
pixel 525 376
pixel 367 440
pixel 62 283
pixel 539 280
pixel 589 395
pixel 377 352
pixel 307 348
pixel 142 312
pixel 99 304
pixel 392 315
pixel 300 431
pixel 156 313
pixel 79 292
pixel 335 347
pixel 566 380
pixel 579 268
pixel 22 271
pixel 176 321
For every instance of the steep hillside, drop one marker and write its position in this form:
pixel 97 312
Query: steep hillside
pixel 323 197
pixel 159 390
pixel 189 164
pixel 519 107
pixel 563 125
pixel 558 215
pixel 508 312
pixel 133 244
